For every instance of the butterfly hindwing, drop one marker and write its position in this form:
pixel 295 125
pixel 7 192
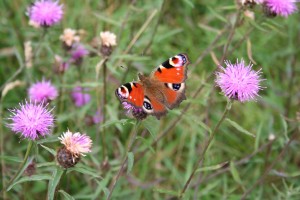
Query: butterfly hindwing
pixel 173 73
pixel 173 70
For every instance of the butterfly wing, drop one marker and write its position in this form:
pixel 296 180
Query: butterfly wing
pixel 172 73
pixel 132 93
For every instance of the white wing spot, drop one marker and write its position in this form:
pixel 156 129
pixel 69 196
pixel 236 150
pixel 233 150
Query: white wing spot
pixel 130 97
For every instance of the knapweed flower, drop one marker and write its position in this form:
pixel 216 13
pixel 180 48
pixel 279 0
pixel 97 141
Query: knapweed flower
pixel 42 91
pixel 280 7
pixel 80 96
pixel 108 38
pixel 238 81
pixel 45 12
pixel 69 37
pixel 60 66
pixel 138 113
pixel 78 53
pixel 31 120
pixel 250 3
pixel 75 146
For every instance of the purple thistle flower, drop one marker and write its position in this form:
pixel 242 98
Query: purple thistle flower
pixel 31 120
pixel 45 12
pixel 238 81
pixel 42 91
pixel 138 113
pixel 281 7
pixel 78 53
pixel 76 143
pixel 80 97
pixel 98 117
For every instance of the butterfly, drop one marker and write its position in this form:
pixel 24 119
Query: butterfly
pixel 163 89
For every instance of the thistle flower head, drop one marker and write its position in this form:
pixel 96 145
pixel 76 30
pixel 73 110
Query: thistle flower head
pixel 42 91
pixel 108 39
pixel 79 52
pixel 31 120
pixel 80 96
pixel 138 113
pixel 281 7
pixel 69 37
pixel 76 143
pixel 45 12
pixel 238 81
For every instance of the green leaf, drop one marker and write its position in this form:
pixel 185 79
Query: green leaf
pixel 238 127
pixel 148 124
pixel 130 156
pixel 50 139
pixel 107 19
pixel 54 181
pixel 85 170
pixel 40 177
pixel 52 151
pixel 285 127
pixel 66 195
pixel 211 168
pixel 164 191
pixel 121 121
pixel 10 158
pixel 189 3
pixel 235 173
pixel 148 144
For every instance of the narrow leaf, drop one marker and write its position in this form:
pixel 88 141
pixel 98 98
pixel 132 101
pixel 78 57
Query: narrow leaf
pixel 52 151
pixel 66 195
pixel 57 173
pixel 235 173
pixel 211 168
pixel 164 191
pixel 239 128
pixel 130 162
pixel 40 177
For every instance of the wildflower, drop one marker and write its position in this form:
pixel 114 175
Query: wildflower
pixel 75 145
pixel 80 97
pixel 238 81
pixel 60 66
pixel 280 7
pixel 42 91
pixel 138 113
pixel 69 37
pixel 108 40
pixel 78 53
pixel 250 3
pixel 31 169
pixel 31 120
pixel 33 24
pixel 98 117
pixel 45 12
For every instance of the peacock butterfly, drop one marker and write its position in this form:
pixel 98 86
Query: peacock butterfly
pixel 164 88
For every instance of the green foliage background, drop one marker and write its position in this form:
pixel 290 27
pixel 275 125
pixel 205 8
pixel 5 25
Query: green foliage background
pixel 233 162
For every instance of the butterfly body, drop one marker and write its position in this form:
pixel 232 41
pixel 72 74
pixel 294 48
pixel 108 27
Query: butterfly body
pixel 164 88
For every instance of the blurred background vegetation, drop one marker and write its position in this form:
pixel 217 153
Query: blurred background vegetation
pixel 148 33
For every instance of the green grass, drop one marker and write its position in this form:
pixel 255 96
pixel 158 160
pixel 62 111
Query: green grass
pixel 164 153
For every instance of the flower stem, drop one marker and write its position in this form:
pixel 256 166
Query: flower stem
pixel 20 170
pixel 103 109
pixel 129 148
pixel 206 145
